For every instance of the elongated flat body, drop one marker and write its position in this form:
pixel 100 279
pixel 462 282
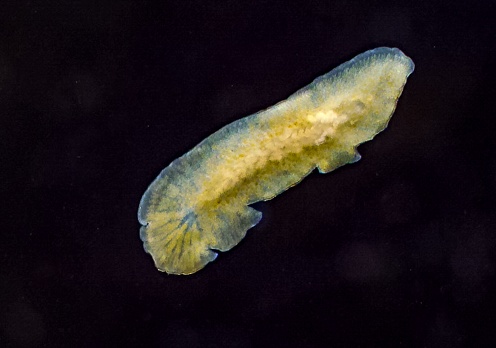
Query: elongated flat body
pixel 199 204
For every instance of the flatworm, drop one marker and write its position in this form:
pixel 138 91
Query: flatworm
pixel 199 204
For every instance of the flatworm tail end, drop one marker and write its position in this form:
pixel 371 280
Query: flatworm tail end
pixel 182 240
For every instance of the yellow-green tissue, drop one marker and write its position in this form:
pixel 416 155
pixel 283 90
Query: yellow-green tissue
pixel 199 204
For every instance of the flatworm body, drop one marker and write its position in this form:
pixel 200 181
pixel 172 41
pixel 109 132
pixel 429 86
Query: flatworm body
pixel 199 204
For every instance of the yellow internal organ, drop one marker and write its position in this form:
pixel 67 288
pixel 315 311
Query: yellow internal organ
pixel 200 202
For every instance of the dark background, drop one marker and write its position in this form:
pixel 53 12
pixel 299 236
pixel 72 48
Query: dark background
pixel 96 97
